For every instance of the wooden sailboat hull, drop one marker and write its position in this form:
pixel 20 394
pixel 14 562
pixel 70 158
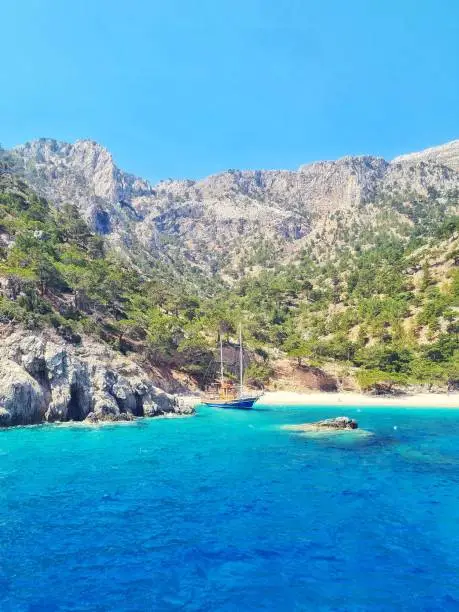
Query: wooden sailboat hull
pixel 243 403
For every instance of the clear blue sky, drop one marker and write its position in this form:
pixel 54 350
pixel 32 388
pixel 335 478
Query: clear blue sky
pixel 185 88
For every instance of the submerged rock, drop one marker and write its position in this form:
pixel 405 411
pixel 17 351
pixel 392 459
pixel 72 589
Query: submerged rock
pixel 326 425
pixel 43 378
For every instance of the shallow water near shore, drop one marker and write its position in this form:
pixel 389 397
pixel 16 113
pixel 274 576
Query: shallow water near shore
pixel 228 511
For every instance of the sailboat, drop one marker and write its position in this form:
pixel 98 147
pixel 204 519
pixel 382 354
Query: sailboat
pixel 225 395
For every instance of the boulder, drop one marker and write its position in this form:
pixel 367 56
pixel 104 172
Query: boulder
pixel 105 406
pixel 337 423
pixel 156 402
pixel 116 418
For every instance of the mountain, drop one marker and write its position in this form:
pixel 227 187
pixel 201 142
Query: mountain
pixel 343 273
pixel 230 221
pixel 63 298
pixel 444 155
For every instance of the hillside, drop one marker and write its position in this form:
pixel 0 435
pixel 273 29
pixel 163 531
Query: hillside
pixel 348 268
pixel 57 273
pixel 227 222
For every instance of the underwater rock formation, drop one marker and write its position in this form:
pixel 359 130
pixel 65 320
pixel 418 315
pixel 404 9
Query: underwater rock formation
pixel 336 424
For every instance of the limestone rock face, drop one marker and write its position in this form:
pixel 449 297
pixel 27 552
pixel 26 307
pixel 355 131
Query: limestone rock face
pixel 22 401
pixel 220 221
pixel 43 378
pixel 84 172
pixel 444 155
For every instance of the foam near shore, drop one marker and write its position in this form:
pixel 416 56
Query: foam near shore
pixel 421 400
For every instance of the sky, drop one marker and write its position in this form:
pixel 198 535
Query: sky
pixel 187 88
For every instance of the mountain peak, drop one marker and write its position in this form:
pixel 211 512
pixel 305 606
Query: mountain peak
pixel 446 155
pixel 223 217
pixel 46 148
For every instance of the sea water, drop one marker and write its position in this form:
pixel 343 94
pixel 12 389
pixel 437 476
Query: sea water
pixel 228 511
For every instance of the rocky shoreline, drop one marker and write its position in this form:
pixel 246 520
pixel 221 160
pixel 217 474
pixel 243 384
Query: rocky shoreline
pixel 45 379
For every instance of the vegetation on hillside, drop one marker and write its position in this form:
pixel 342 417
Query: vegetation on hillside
pixel 382 306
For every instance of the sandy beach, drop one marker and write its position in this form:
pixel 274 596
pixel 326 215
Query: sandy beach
pixel 424 400
pixel 343 398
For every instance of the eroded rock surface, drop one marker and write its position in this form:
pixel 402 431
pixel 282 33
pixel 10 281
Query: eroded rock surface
pixel 337 423
pixel 22 400
pixel 219 220
pixel 43 378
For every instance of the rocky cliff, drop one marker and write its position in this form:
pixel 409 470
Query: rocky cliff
pixel 45 379
pixel 222 222
pixel 444 155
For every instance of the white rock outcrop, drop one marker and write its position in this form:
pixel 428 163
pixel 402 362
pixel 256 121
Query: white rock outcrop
pixel 22 400
pixel 43 378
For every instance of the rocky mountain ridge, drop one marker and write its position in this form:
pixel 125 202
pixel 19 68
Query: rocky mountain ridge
pixel 216 224
pixel 445 155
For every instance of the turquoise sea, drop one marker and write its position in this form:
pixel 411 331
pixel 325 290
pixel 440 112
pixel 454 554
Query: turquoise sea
pixel 227 511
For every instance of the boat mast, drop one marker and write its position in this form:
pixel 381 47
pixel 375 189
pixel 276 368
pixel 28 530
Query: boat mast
pixel 221 361
pixel 241 363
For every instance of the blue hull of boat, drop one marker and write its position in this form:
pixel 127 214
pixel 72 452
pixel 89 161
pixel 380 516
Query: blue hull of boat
pixel 242 404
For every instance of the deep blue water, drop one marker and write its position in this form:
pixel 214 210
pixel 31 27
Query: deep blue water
pixel 226 511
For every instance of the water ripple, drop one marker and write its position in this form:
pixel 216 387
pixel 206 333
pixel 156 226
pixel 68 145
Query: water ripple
pixel 229 512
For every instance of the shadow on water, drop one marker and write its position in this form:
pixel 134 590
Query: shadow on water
pixel 263 409
pixel 421 457
pixel 347 440
pixel 427 457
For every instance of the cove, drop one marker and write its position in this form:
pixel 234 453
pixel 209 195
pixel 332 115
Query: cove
pixel 228 511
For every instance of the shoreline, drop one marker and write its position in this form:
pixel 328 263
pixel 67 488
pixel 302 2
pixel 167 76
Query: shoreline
pixel 343 398
pixel 96 424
